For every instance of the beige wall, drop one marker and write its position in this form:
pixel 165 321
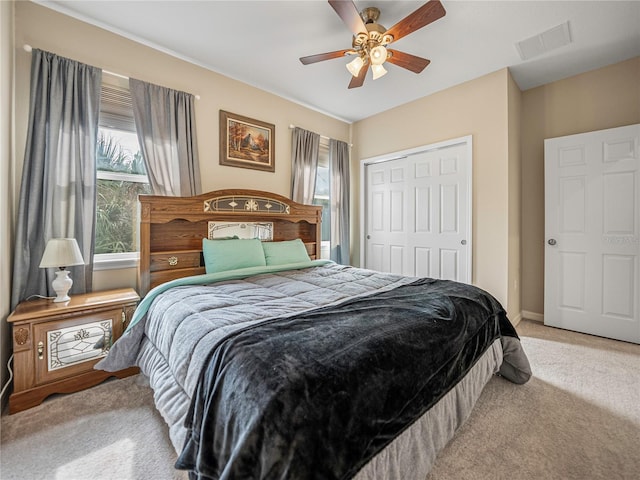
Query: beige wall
pixel 43 28
pixel 514 179
pixel 604 98
pixel 478 108
pixel 6 182
pixel 508 129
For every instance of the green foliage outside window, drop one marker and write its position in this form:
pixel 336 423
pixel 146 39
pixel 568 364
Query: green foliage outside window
pixel 117 200
pixel 117 215
pixel 113 157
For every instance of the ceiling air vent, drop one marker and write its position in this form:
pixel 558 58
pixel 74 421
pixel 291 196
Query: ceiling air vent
pixel 555 37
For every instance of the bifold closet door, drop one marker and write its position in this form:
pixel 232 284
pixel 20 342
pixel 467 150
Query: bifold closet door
pixel 418 214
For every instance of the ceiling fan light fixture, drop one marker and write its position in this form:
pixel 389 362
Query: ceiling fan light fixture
pixel 370 39
pixel 378 55
pixel 378 71
pixel 355 65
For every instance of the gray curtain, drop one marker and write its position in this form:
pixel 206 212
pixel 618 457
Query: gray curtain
pixel 58 190
pixel 305 146
pixel 339 173
pixel 166 127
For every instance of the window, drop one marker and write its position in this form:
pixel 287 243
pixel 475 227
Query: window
pixel 322 197
pixel 121 177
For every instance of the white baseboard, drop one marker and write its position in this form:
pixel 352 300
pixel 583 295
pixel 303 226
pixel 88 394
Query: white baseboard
pixel 516 320
pixel 536 317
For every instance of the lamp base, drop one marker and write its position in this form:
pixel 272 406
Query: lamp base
pixel 61 284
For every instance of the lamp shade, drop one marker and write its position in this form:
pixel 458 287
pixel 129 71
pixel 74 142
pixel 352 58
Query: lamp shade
pixel 378 71
pixel 61 252
pixel 378 55
pixel 355 65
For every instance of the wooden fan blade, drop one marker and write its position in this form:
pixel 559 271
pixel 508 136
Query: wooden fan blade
pixel 359 80
pixel 408 61
pixel 324 56
pixel 348 12
pixel 426 14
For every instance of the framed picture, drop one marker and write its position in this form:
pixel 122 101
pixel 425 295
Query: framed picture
pixel 246 143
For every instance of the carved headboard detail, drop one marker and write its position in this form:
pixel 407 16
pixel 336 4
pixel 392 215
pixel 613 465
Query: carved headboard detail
pixel 172 228
pixel 246 203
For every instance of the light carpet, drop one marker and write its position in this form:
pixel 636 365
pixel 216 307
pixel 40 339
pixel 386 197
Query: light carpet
pixel 577 418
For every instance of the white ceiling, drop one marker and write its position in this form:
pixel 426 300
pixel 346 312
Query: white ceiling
pixel 260 42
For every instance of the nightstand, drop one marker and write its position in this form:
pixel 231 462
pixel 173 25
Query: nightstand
pixel 56 345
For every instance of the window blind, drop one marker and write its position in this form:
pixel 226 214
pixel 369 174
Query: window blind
pixel 116 108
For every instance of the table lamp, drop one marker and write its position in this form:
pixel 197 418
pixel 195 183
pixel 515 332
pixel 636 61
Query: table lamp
pixel 61 253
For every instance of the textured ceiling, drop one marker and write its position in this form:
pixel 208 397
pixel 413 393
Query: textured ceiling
pixel 260 42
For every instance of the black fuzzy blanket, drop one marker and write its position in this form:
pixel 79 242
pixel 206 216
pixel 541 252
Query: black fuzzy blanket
pixel 318 394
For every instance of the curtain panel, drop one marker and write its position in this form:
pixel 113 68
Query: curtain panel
pixel 58 189
pixel 166 126
pixel 305 146
pixel 339 173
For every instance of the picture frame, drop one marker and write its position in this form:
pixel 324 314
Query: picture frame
pixel 246 142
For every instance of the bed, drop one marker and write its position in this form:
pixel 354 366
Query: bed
pixel 269 362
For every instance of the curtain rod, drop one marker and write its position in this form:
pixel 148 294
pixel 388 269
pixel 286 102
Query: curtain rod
pixel 29 48
pixel 292 126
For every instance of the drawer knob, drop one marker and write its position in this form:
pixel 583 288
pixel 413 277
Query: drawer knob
pixel 40 350
pixel 173 261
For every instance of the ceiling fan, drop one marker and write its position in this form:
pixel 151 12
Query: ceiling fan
pixel 370 39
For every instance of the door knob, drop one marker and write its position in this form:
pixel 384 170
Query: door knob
pixel 368 237
pixel 552 241
pixel 463 242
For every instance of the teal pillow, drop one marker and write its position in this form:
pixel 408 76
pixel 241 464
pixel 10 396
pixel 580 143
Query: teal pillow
pixel 282 253
pixel 223 255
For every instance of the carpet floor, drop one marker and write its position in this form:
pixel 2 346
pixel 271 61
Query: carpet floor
pixel 577 418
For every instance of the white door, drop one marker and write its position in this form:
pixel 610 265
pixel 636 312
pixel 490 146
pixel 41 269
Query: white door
pixel 418 213
pixel 592 221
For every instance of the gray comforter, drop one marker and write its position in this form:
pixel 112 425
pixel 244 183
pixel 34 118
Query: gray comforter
pixel 175 337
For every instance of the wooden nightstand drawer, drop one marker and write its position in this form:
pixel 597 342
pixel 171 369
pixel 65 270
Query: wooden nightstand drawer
pixel 56 345
pixel 68 347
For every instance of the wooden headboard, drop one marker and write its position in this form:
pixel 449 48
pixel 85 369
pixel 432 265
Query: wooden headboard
pixel 172 228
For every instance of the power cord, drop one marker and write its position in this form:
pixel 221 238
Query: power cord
pixel 39 296
pixel 6 385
